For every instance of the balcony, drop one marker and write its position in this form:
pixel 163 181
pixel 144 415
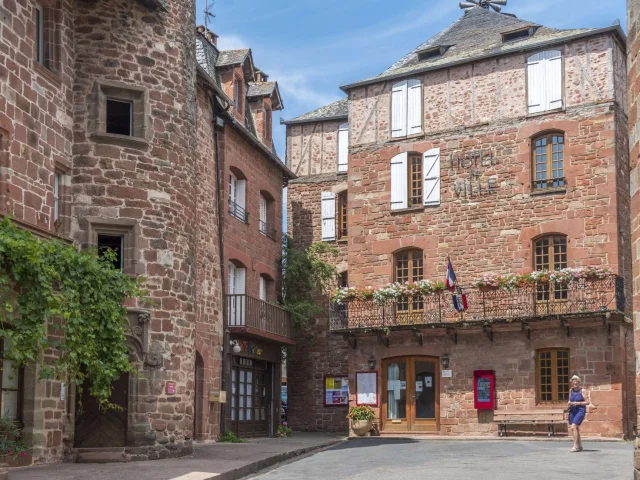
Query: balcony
pixel 259 319
pixel 585 298
pixel 267 230
pixel 239 212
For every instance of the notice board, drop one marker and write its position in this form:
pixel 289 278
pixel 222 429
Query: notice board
pixel 367 388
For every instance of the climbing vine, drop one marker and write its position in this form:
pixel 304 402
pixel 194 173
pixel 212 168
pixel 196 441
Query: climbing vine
pixel 67 303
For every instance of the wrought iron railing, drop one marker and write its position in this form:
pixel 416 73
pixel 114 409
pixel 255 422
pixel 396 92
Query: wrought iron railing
pixel 246 311
pixel 267 230
pixel 584 297
pixel 239 212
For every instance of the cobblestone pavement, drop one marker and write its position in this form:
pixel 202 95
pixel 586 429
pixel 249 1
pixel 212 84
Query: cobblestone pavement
pixel 405 459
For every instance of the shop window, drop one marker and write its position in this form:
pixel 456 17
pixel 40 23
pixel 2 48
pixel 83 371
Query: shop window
pixel 550 253
pixel 409 267
pixel 553 375
pixel 548 161
pixel 11 385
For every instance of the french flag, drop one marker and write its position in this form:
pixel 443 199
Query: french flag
pixel 460 302
pixel 450 282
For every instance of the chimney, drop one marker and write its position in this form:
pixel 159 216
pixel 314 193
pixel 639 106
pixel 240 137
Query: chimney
pixel 212 37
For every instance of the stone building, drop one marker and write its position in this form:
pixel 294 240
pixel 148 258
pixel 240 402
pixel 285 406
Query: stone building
pixel 118 129
pixel 500 144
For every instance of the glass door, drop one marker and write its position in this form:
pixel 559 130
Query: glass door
pixel 411 394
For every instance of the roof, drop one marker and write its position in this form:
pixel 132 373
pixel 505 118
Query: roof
pixel 232 57
pixel 209 59
pixel 333 111
pixel 266 89
pixel 476 35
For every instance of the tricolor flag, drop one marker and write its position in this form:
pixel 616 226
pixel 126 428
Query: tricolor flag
pixel 460 302
pixel 450 282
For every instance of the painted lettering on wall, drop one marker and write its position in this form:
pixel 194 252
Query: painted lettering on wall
pixel 468 173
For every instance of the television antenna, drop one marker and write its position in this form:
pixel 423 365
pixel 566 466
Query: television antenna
pixel 207 12
pixel 494 4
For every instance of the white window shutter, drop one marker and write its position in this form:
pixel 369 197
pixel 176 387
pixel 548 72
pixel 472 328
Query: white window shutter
pixel 553 76
pixel 328 216
pixel 414 107
pixel 399 109
pixel 399 180
pixel 263 209
pixel 232 279
pixel 241 193
pixel 233 183
pixel 431 168
pixel 262 294
pixel 343 147
pixel 536 82
pixel 241 282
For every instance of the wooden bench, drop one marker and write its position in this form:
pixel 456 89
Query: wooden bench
pixel 550 418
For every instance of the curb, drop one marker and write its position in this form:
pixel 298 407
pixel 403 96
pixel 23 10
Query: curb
pixel 259 465
pixel 490 439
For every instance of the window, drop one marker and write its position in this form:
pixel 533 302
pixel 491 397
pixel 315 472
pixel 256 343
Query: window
pixel 415 179
pixel 544 80
pixel 120 114
pixel 409 267
pixel 343 280
pixel 433 52
pixel 119 117
pixel 518 34
pixel 262 290
pixel 56 196
pixel 39 20
pixel 120 236
pixel 343 148
pixel 267 124
pixel 551 254
pixel 237 198
pixel 342 215
pixel 237 96
pixel 237 290
pixel 115 245
pixel 406 108
pixel 11 385
pixel 548 161
pixel 263 215
pixel 553 375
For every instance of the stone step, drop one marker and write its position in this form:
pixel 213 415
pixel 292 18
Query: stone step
pixel 102 455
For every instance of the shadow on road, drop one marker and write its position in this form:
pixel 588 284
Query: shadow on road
pixel 372 442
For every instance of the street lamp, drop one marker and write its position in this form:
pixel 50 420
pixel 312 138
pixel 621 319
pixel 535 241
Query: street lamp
pixel 236 346
pixel 445 361
pixel 372 362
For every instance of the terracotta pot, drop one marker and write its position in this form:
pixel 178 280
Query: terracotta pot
pixel 360 427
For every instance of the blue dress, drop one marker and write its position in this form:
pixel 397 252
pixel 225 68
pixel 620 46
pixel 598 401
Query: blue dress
pixel 577 413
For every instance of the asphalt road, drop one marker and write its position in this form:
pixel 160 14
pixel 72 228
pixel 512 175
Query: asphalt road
pixel 391 459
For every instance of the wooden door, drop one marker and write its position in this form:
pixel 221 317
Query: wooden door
pixel 251 397
pixel 410 394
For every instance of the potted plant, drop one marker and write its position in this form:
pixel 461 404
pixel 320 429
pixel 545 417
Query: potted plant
pixel 11 446
pixel 361 419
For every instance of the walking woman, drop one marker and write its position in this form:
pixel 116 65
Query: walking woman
pixel 577 410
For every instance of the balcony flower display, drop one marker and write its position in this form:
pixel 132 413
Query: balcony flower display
pixel 391 291
pixel 512 281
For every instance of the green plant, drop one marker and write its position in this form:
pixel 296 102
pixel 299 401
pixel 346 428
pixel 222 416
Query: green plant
pixel 306 273
pixel 361 413
pixel 230 437
pixel 284 430
pixel 10 443
pixel 67 303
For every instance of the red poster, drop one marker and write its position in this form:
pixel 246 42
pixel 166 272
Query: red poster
pixel 484 390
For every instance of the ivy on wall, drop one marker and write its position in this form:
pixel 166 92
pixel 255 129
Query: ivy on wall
pixel 65 303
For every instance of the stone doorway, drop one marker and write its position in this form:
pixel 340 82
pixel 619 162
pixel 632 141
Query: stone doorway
pixel 97 429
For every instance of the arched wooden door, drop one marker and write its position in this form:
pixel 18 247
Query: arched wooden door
pixel 410 394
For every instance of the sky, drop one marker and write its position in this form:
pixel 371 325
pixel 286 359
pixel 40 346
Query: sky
pixel 311 47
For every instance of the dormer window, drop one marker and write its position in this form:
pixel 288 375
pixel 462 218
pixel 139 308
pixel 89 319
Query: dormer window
pixel 518 34
pixel 237 95
pixel 433 52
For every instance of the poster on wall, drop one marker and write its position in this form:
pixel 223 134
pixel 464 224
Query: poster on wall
pixel 484 389
pixel 367 388
pixel 336 391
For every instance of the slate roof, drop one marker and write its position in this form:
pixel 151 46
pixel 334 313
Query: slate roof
pixel 478 34
pixel 333 111
pixel 261 89
pixel 232 57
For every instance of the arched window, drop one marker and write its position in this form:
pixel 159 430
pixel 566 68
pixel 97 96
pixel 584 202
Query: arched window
pixel 547 161
pixel 409 267
pixel 553 375
pixel 550 253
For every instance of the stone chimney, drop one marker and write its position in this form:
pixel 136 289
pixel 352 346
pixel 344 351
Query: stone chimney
pixel 212 37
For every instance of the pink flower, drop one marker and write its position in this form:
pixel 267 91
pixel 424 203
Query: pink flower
pixel 22 454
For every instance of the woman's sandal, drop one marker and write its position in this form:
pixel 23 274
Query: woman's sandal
pixel 575 449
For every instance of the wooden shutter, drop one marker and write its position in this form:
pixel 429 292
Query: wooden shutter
pixel 399 109
pixel 399 196
pixel 553 77
pixel 263 209
pixel 241 193
pixel 343 147
pixel 431 169
pixel 536 83
pixel 328 216
pixel 414 107
pixel 262 294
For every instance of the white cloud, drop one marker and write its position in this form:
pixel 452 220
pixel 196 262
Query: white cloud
pixel 296 87
pixel 231 42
